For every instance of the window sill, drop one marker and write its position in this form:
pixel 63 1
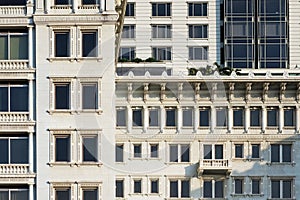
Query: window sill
pixel 239 159
pixel 281 198
pixel 178 198
pixel 255 159
pixel 157 17
pixel 196 17
pixel 61 112
pixel 239 195
pixel 256 195
pixel 61 7
pixel 52 164
pixel 281 163
pixel 198 39
pixel 78 59
pixel 98 111
pixel 70 59
pixel 98 164
pixel 178 163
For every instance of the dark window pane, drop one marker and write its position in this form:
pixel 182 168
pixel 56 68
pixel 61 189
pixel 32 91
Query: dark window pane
pixel 239 150
pixel 207 150
pixel 4 151
pixel 137 118
pixel 19 98
pixel 255 186
pixel 185 153
pixel 18 47
pixel 154 150
pixel 119 188
pixel 154 186
pixel 185 189
pixel 88 2
pixel 222 117
pixel 3 99
pixel 62 149
pixel 61 2
pixel 137 186
pixel 129 9
pixel 89 96
pixel 207 189
pixel 19 195
pixel 62 45
pixel 4 195
pixel 238 117
pixel 275 186
pixel 286 153
pixel 62 194
pixel 219 189
pixel 170 117
pixel 90 149
pixel 272 117
pixel 153 117
pixel 289 118
pixel 89 194
pixel 13 3
pixel 62 99
pixel 89 44
pixel 19 151
pixel 255 150
pixel 121 117
pixel 255 117
pixel 275 153
pixel 119 153
pixel 173 153
pixel 238 186
pixel 187 117
pixel 137 148
pixel 3 47
pixel 204 118
pixel 218 151
pixel 286 190
pixel 173 188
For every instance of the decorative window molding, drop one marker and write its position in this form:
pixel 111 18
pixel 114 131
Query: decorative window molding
pixel 68 187
pixel 90 187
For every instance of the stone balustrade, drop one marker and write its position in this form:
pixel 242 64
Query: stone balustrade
pixel 214 163
pixel 13 10
pixel 13 64
pixel 14 117
pixel 14 168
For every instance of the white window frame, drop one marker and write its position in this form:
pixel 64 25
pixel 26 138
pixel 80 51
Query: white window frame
pixel 179 153
pixel 158 116
pixel 250 151
pixel 281 153
pixel 192 27
pixel 260 185
pixel 281 179
pixel 8 35
pixel 138 108
pixel 213 151
pixel 167 31
pixel 123 154
pixel 243 150
pixel 159 186
pixel 62 185
pixel 132 151
pixel 64 29
pixel 158 150
pixel 166 49
pixel 243 186
pixel 213 187
pixel 132 183
pixel 193 117
pixel 10 138
pixel 89 185
pixel 193 3
pixel 191 50
pixel 131 31
pixel 179 182
pixel 89 29
pixel 132 50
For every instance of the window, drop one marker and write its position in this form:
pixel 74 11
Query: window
pixel 13 45
pixel 89 96
pixel 154 184
pixel 127 53
pixel 90 148
pixel 14 193
pixel 62 148
pixel 154 150
pixel 187 117
pixel 204 117
pixel 62 2
pixel 170 117
pixel 161 31
pixel 89 194
pixel 137 117
pixel 197 9
pixel 121 117
pixel 255 149
pixel 13 3
pixel 272 117
pixel 161 53
pixel 62 96
pixel 198 31
pixel 137 150
pixel 218 186
pixel 221 117
pixel 89 44
pixel 238 117
pixel 255 117
pixel 281 189
pixel 62 44
pixel 239 151
pixel 238 186
pixel 184 186
pixel 213 151
pixel 89 2
pixel 13 97
pixel 14 150
pixel 130 10
pixel 119 188
pixel 137 186
pixel 255 186
pixel 119 153
pixel 62 194
pixel 198 53
pixel 179 153
pixel 128 31
pixel 153 117
pixel 289 117
pixel 161 9
pixel 281 153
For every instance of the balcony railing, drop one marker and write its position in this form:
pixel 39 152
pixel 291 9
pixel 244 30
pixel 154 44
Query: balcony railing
pixel 14 117
pixel 13 10
pixel 214 163
pixel 13 64
pixel 14 168
pixel 214 166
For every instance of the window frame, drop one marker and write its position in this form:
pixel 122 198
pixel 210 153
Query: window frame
pixel 225 124
pixel 88 82
pixel 140 189
pixel 69 49
pixel 189 109
pixel 273 109
pixel 88 134
pixel 131 11
pixel 9 149
pixel 156 155
pixel 13 189
pixel 213 187
pixel 130 33
pixel 8 34
pixel 171 125
pixel 281 180
pixel 137 155
pixel 157 109
pixel 167 29
pixel 260 186
pixel 242 146
pixel 56 186
pixel 167 9
pixel 131 52
pixel 123 187
pixel 193 9
pixel 213 151
pixel 125 121
pixel 205 109
pixel 166 50
pixel 179 188
pixel 97 30
pixel 293 109
pixel 260 117
pixel 192 53
pixel 239 109
pixel 141 120
pixel 242 192
pixel 282 154
pixel 121 160
pixel 150 186
pixel 89 186
pixel 204 33
pixel 180 154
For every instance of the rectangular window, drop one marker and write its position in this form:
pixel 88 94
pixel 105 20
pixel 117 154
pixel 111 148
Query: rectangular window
pixel 137 184
pixel 128 31
pixel 161 9
pixel 187 117
pixel 281 189
pixel 130 10
pixel 179 153
pixel 197 9
pixel 137 117
pixel 207 151
pixel 198 53
pixel 221 117
pixel 14 150
pixel 121 117
pixel 171 117
pixel 62 194
pixel 89 96
pixel 161 53
pixel 62 96
pixel 219 189
pixel 289 117
pixel 218 151
pixel 153 117
pixel 89 194
pixel 213 151
pixel 89 44
pixel 119 153
pixel 13 98
pixel 281 153
pixel 239 151
pixel 173 153
pixel 198 31
pixel 119 188
pixel 13 45
pixel 137 150
pixel 161 31
pixel 89 2
pixel 62 148
pixel 238 117
pixel 14 193
pixel 272 117
pixel 62 44
pixel 204 117
pixel 154 150
pixel 207 189
pixel 184 191
pixel 154 186
pixel 238 186
pixel 174 189
pixel 255 117
pixel 13 3
pixel 255 186
pixel 255 151
pixel 127 53
pixel 90 148
pixel 208 186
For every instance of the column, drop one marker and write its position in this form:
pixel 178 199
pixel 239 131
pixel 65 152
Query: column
pixel 212 118
pixel 247 118
pixel 145 119
pixel 196 118
pixel 30 152
pixel 31 196
pixel 30 46
pixel 102 5
pixel 281 118
pixel 263 119
pixel 297 119
pixel 30 99
pixel 47 5
pixel 75 6
pixel 230 118
pixel 179 119
pixel 162 118
pixel 129 119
